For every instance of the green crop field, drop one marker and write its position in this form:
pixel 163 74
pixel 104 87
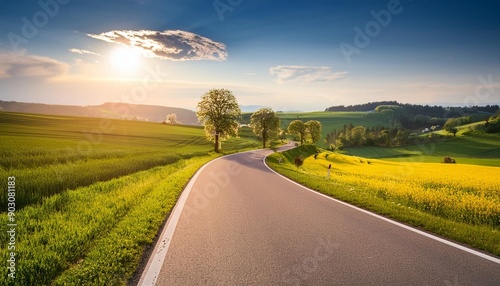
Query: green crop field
pixel 91 193
pixel 49 154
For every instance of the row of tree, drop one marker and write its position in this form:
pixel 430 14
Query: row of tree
pixel 356 136
pixel 220 113
pixel 309 131
pixel 417 116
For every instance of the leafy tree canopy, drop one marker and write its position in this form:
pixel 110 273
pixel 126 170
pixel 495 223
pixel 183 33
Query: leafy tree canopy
pixel 219 112
pixel 264 123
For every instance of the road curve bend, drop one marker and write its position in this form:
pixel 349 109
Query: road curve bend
pixel 239 223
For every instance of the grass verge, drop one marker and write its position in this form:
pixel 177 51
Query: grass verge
pixel 95 235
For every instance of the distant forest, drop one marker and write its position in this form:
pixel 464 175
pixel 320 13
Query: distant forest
pixel 414 109
pixel 411 116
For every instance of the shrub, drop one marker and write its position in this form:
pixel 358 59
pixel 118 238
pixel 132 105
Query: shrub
pixel 449 160
pixel 298 161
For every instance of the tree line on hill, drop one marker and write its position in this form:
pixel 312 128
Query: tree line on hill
pixel 370 106
pixel 433 111
pixel 413 116
pixel 357 136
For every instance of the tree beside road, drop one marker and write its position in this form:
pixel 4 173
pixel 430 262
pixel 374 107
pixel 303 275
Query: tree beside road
pixel 219 112
pixel 265 123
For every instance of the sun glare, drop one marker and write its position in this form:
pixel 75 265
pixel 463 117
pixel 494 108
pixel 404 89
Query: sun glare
pixel 125 60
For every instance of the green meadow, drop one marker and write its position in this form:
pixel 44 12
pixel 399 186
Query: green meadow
pixel 50 154
pixel 92 193
pixel 472 147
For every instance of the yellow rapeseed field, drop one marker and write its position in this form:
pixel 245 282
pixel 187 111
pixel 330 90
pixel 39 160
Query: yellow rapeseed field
pixel 463 193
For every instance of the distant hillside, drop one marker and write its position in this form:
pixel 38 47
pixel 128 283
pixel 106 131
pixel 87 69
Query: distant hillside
pixel 416 109
pixel 370 106
pixel 414 116
pixel 107 110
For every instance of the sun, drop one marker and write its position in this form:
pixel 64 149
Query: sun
pixel 125 60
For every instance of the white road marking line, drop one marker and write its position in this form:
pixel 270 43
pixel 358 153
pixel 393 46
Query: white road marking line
pixel 155 262
pixel 428 235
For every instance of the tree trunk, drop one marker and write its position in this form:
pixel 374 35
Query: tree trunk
pixel 216 143
pixel 263 139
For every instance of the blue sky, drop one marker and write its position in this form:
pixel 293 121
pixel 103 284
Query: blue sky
pixel 289 55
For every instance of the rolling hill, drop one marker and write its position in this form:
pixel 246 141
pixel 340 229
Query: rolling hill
pixel 111 110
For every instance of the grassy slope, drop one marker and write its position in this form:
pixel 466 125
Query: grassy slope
pixel 469 148
pixel 351 188
pixel 94 233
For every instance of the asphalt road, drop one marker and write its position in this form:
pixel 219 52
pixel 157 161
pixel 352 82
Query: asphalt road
pixel 238 223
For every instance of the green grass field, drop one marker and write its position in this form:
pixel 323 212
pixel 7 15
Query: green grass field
pixel 477 148
pixel 49 154
pixel 92 193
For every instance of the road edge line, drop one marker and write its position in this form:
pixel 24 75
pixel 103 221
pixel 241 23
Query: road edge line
pixel 155 262
pixel 407 227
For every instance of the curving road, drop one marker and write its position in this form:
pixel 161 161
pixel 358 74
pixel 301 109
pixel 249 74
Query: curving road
pixel 239 223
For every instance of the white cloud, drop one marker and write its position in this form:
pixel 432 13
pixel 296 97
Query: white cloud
pixel 84 52
pixel 305 74
pixel 173 45
pixel 12 65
